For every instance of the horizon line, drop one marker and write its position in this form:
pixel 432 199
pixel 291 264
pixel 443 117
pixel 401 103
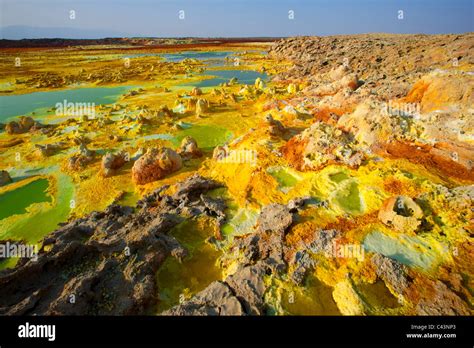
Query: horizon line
pixel 235 37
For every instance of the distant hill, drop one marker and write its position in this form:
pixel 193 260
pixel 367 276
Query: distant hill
pixel 18 32
pixel 126 41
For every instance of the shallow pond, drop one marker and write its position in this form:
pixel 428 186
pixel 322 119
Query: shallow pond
pixel 349 198
pixel 207 136
pixel 285 177
pixel 412 251
pixel 377 295
pixel 177 279
pixel 246 77
pixel 43 216
pixel 16 201
pixel 199 55
pixel 315 298
pixel 241 222
pixel 23 104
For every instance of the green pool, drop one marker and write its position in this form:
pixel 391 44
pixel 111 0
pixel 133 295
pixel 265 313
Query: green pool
pixel 16 201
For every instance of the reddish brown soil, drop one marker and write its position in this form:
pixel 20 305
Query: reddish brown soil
pixel 355 222
pixel 429 157
pixel 324 114
pixel 393 186
pixel 293 150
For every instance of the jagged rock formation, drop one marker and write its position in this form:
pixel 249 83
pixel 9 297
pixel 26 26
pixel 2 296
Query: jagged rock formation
pixel 240 294
pixel 23 125
pixel 104 263
pixel 48 149
pixel 261 254
pixel 392 272
pixel 386 63
pixel 407 96
pixel 322 144
pixel 4 178
pixel 81 158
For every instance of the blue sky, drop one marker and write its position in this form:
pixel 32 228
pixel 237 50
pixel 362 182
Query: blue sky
pixel 231 18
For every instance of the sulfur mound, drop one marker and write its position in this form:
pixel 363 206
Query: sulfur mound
pixel 111 162
pixel 189 148
pixel 155 164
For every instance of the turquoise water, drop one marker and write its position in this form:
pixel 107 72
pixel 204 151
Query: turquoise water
pixel 409 250
pixel 199 55
pixel 22 104
pixel 246 77
pixel 139 55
